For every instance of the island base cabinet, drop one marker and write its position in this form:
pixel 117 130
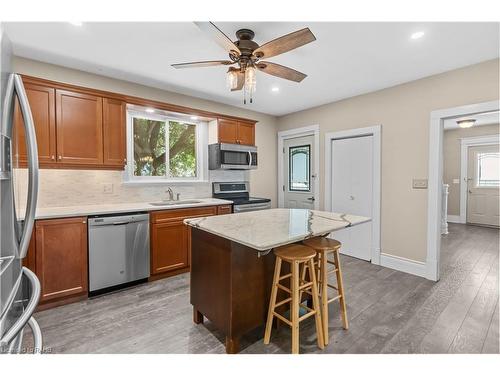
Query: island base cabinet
pixel 230 285
pixel 61 258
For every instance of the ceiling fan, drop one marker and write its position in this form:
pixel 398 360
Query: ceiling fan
pixel 247 54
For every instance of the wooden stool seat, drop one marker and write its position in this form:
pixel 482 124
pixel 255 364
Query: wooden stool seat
pixel 298 256
pixel 294 252
pixel 322 244
pixel 323 247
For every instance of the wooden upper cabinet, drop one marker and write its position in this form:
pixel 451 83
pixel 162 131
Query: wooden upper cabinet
pixel 238 132
pixel 246 133
pixel 42 103
pixel 79 128
pixel 228 131
pixel 114 132
pixel 61 257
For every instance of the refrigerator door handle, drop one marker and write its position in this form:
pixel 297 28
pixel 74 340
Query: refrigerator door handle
pixel 32 154
pixel 18 326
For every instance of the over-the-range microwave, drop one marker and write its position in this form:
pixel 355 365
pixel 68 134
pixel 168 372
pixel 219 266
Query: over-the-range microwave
pixel 231 156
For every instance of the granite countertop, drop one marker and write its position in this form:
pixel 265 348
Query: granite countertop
pixel 267 229
pixel 111 208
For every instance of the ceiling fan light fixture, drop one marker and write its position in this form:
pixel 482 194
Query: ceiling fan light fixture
pixel 468 123
pixel 231 79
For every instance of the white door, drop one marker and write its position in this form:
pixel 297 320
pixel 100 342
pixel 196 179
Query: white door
pixel 298 188
pixel 352 187
pixel 483 185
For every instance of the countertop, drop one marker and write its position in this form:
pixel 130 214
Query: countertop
pixel 101 209
pixel 267 229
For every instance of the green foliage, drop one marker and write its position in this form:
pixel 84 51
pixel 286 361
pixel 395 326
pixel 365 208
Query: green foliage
pixel 150 148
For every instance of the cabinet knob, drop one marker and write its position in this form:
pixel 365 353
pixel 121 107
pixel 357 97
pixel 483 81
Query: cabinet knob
pixel 125 161
pixel 59 157
pixel 53 157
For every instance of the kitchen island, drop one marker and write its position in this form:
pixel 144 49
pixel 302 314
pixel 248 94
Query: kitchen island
pixel 232 262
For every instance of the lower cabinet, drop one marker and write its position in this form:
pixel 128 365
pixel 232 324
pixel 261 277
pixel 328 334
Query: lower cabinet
pixel 61 257
pixel 170 239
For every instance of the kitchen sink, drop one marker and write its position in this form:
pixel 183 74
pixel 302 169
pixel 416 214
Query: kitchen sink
pixel 175 203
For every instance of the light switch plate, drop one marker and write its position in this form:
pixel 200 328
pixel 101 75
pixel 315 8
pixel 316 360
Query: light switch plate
pixel 107 188
pixel 420 183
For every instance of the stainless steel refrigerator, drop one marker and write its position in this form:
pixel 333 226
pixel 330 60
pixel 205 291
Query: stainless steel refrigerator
pixel 19 287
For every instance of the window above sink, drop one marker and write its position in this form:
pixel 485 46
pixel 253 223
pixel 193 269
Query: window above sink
pixel 164 147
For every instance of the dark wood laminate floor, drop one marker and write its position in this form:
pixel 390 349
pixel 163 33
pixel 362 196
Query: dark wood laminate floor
pixel 389 312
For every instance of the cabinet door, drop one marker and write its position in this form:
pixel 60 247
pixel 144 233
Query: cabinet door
pixel 79 128
pixel 42 103
pixel 61 257
pixel 169 244
pixel 246 133
pixel 228 131
pixel 114 132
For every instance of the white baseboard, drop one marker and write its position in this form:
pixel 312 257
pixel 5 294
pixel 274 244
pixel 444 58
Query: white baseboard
pixel 454 219
pixel 403 264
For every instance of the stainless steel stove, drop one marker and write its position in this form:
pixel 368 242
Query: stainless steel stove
pixel 238 193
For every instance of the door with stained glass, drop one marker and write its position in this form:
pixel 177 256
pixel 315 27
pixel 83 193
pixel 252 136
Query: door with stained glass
pixel 298 176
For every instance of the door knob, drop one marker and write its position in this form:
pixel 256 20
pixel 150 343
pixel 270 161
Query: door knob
pixel 311 199
pixel 470 191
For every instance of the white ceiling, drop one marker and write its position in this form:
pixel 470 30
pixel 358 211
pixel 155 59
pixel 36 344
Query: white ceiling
pixel 487 118
pixel 347 59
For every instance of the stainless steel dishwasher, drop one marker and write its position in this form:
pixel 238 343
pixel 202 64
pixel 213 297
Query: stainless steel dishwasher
pixel 118 250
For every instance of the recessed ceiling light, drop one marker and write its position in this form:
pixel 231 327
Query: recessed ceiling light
pixel 150 110
pixel 417 35
pixel 76 23
pixel 275 89
pixel 194 118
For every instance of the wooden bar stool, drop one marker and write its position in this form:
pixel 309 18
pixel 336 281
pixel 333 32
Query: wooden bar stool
pixel 297 256
pixel 324 246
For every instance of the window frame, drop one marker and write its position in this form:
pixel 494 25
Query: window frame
pixel 201 139
pixel 308 146
pixel 478 171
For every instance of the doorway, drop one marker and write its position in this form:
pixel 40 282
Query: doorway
pixel 298 166
pixel 483 185
pixel 436 176
pixel 352 185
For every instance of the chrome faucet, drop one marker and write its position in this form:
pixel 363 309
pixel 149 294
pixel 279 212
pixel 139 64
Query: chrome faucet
pixel 170 194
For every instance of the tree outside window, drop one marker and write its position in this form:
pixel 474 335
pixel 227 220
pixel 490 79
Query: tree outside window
pixel 152 158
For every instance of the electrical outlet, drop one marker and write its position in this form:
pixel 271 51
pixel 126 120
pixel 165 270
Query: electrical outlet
pixel 420 183
pixel 107 188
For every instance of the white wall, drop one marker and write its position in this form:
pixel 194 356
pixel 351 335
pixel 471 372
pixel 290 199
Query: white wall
pixel 404 113
pixel 262 181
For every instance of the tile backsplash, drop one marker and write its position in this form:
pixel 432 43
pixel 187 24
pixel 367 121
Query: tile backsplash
pixel 62 188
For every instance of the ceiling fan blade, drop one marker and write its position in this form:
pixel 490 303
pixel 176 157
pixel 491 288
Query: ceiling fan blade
pixel 218 36
pixel 281 71
pixel 241 81
pixel 285 43
pixel 202 64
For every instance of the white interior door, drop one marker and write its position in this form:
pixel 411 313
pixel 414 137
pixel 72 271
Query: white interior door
pixel 352 192
pixel 483 192
pixel 298 188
